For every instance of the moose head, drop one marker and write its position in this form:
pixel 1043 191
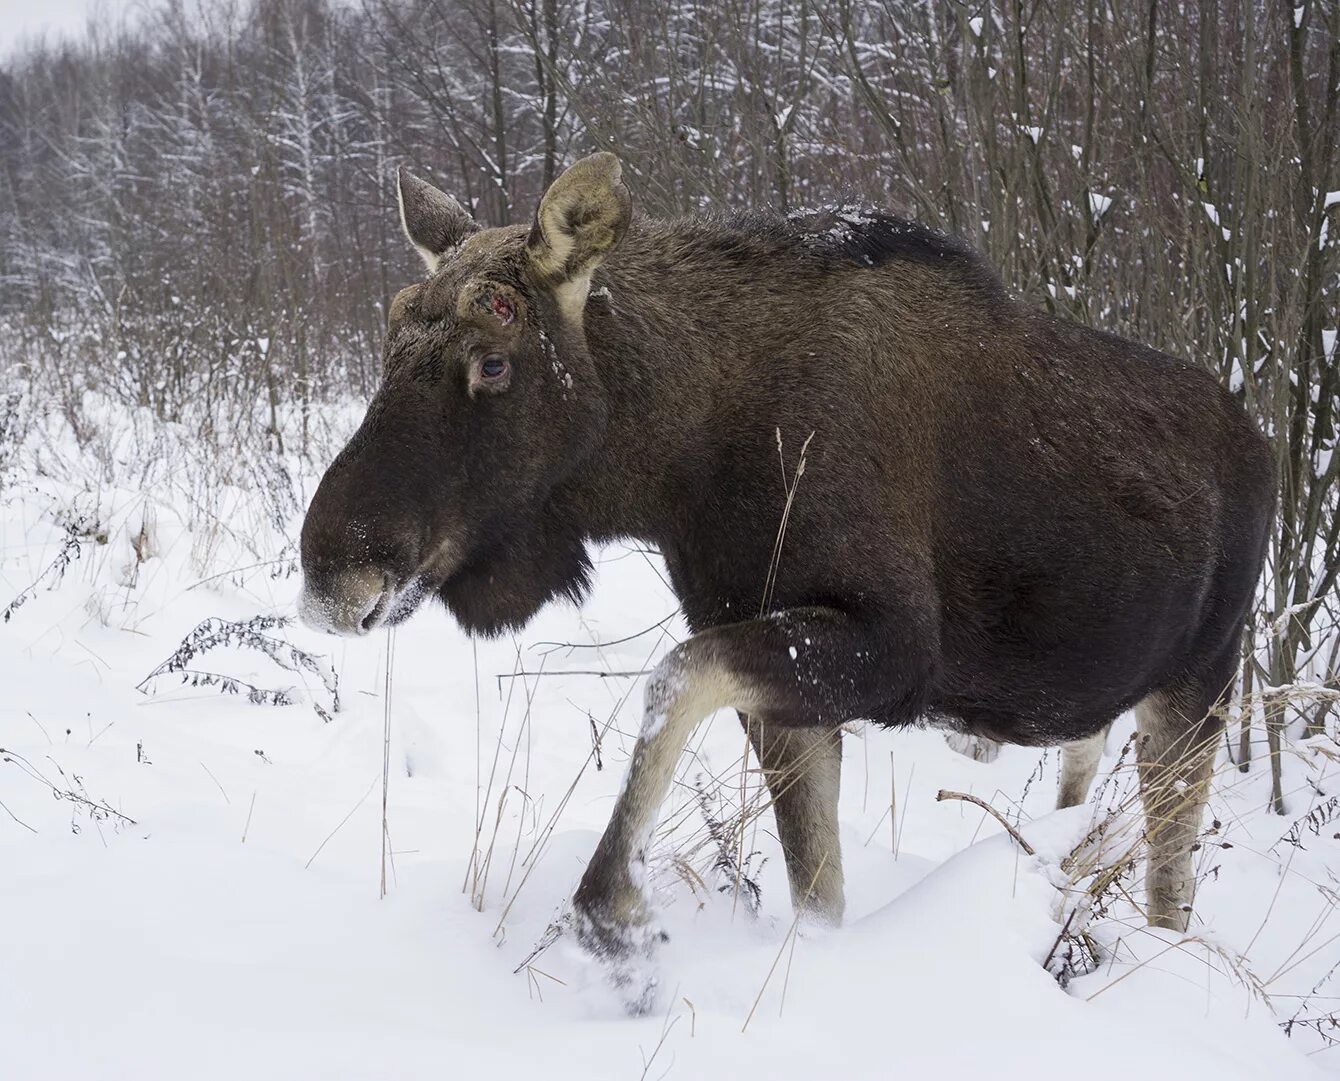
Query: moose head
pixel 489 399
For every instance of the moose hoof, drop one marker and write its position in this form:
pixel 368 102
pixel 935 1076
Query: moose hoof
pixel 624 949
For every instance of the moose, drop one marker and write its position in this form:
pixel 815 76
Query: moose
pixel 1010 524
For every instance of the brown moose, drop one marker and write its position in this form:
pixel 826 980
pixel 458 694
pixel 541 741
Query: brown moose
pixel 1009 524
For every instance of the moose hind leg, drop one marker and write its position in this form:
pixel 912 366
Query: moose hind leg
pixel 1079 765
pixel 1179 737
pixel 803 767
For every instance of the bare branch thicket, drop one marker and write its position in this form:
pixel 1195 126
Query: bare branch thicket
pixel 197 216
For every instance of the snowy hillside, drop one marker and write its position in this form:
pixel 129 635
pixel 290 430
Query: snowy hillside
pixel 193 879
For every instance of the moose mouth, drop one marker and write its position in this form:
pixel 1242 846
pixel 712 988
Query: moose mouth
pixel 394 607
pixel 358 600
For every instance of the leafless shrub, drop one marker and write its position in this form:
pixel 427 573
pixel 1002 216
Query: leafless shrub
pixel 739 875
pixel 1323 814
pixel 1326 1026
pixel 215 633
pixel 1103 887
pixel 69 789
pixel 1167 172
pixel 77 530
pixel 9 427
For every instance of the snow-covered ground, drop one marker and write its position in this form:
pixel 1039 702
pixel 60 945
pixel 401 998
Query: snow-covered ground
pixel 204 900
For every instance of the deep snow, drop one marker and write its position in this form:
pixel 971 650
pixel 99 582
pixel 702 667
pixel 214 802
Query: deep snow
pixel 235 929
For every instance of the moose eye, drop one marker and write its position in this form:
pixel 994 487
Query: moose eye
pixel 490 374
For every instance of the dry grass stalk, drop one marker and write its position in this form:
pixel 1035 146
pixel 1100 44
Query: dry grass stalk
pixel 386 753
pixel 790 934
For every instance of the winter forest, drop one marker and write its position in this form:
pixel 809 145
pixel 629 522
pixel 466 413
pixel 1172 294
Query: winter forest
pixel 231 844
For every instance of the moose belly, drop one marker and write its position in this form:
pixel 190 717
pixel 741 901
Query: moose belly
pixel 1048 657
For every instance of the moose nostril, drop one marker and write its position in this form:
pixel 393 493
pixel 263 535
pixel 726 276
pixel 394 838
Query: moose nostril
pixel 379 608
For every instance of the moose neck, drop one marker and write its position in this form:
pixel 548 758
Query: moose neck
pixel 646 325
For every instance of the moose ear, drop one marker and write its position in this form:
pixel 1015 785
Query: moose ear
pixel 582 216
pixel 434 222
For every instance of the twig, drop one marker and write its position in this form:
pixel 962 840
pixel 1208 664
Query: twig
pixel 16 818
pixel 500 676
pixel 945 794
pixel 95 807
pixel 551 646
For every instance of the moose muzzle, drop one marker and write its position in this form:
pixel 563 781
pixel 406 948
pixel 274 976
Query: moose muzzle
pixel 354 601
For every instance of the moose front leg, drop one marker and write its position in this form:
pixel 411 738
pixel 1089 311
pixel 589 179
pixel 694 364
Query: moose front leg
pixel 610 904
pixel 800 667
